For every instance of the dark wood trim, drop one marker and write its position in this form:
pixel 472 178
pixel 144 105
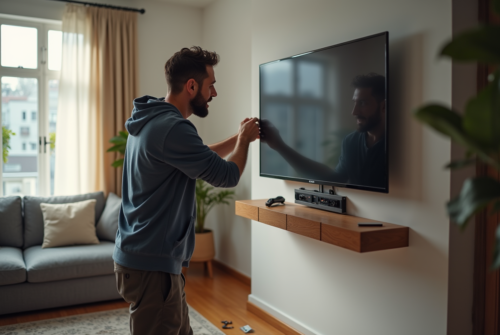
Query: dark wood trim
pixel 486 308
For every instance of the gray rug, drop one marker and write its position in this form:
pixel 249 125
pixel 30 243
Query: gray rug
pixel 114 322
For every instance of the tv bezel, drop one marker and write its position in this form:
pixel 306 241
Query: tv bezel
pixel 330 183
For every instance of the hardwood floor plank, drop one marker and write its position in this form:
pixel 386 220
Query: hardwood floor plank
pixel 223 297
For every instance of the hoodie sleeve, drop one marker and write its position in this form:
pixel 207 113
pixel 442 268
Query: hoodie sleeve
pixel 184 150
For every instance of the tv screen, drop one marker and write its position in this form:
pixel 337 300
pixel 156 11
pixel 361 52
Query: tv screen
pixel 324 114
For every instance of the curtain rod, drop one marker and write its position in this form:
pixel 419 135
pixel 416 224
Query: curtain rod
pixel 142 11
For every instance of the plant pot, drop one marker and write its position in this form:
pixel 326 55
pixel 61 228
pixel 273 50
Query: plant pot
pixel 204 249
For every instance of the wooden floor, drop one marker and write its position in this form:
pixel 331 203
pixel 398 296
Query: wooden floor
pixel 222 298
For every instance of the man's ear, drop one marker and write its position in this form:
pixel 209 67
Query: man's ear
pixel 191 87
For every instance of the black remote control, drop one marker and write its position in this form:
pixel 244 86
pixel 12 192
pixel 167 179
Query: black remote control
pixel 278 200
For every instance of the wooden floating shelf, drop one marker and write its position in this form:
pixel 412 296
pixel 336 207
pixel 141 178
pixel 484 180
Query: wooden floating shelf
pixel 337 229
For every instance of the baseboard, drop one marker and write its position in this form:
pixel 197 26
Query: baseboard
pixel 278 324
pixel 238 275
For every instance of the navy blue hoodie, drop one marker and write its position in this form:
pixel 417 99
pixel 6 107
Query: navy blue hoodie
pixel 164 157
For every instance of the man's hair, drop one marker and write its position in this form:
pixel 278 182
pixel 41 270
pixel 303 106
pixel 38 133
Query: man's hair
pixel 189 63
pixel 371 80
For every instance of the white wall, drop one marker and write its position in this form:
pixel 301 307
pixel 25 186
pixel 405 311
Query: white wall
pixel 322 289
pixel 226 30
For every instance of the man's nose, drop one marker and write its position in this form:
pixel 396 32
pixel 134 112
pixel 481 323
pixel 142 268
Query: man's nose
pixel 355 110
pixel 214 92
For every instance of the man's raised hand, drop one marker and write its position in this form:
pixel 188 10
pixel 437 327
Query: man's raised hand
pixel 249 129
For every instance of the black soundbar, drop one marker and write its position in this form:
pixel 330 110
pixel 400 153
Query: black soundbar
pixel 325 201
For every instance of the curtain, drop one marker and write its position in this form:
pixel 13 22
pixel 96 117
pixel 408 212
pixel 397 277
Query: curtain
pixel 97 86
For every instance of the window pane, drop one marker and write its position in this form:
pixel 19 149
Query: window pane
pixel 55 50
pixel 20 165
pixel 53 94
pixel 19 47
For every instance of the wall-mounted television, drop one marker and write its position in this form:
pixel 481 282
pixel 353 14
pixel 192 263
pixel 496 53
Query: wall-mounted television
pixel 324 115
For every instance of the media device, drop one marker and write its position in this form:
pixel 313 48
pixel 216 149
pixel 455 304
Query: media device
pixel 320 200
pixel 324 116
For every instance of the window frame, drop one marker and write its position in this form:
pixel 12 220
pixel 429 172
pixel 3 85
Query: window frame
pixel 43 75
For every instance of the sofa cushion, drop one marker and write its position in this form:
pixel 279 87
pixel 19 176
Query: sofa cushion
pixel 12 269
pixel 11 222
pixel 33 217
pixel 69 224
pixel 108 224
pixel 62 263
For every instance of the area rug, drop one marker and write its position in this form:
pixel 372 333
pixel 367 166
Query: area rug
pixel 114 322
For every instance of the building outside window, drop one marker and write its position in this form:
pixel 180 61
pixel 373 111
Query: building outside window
pixel 30 81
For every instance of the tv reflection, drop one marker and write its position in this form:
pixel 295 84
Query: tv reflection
pixel 362 159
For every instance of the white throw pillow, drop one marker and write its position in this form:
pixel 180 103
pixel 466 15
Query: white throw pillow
pixel 69 224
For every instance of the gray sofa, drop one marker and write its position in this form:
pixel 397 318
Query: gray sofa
pixel 33 278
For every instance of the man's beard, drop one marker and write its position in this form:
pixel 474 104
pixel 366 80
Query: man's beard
pixel 371 122
pixel 199 105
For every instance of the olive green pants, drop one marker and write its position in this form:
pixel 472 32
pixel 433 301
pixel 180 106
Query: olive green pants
pixel 157 301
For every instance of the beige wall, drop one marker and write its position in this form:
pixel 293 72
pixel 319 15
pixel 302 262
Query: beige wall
pixel 323 289
pixel 226 30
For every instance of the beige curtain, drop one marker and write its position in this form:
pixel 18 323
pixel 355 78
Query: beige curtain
pixel 95 99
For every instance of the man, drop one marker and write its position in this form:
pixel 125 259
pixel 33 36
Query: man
pixel 163 159
pixel 362 160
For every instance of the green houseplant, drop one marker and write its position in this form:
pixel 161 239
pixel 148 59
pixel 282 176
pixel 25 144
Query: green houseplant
pixel 120 143
pixel 6 134
pixel 206 199
pixel 478 129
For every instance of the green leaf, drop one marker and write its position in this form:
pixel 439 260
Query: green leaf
pixel 482 115
pixel 475 195
pixel 496 6
pixel 445 121
pixel 117 163
pixel 449 123
pixel 476 45
pixel 120 148
pixel 461 163
pixel 124 134
pixel 118 140
pixel 206 199
pixel 495 208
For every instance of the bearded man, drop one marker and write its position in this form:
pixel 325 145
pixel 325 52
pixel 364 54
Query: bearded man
pixel 362 158
pixel 164 157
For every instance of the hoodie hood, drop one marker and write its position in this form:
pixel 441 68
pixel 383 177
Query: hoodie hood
pixel 145 109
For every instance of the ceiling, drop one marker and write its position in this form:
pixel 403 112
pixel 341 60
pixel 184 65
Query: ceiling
pixel 191 3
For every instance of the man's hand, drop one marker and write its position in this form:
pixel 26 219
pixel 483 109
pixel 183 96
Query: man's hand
pixel 249 130
pixel 271 135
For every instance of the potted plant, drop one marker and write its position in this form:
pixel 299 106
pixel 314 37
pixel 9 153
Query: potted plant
pixel 206 199
pixel 478 129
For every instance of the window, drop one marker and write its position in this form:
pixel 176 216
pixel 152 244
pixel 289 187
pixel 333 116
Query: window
pixel 30 61
pixel 25 131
